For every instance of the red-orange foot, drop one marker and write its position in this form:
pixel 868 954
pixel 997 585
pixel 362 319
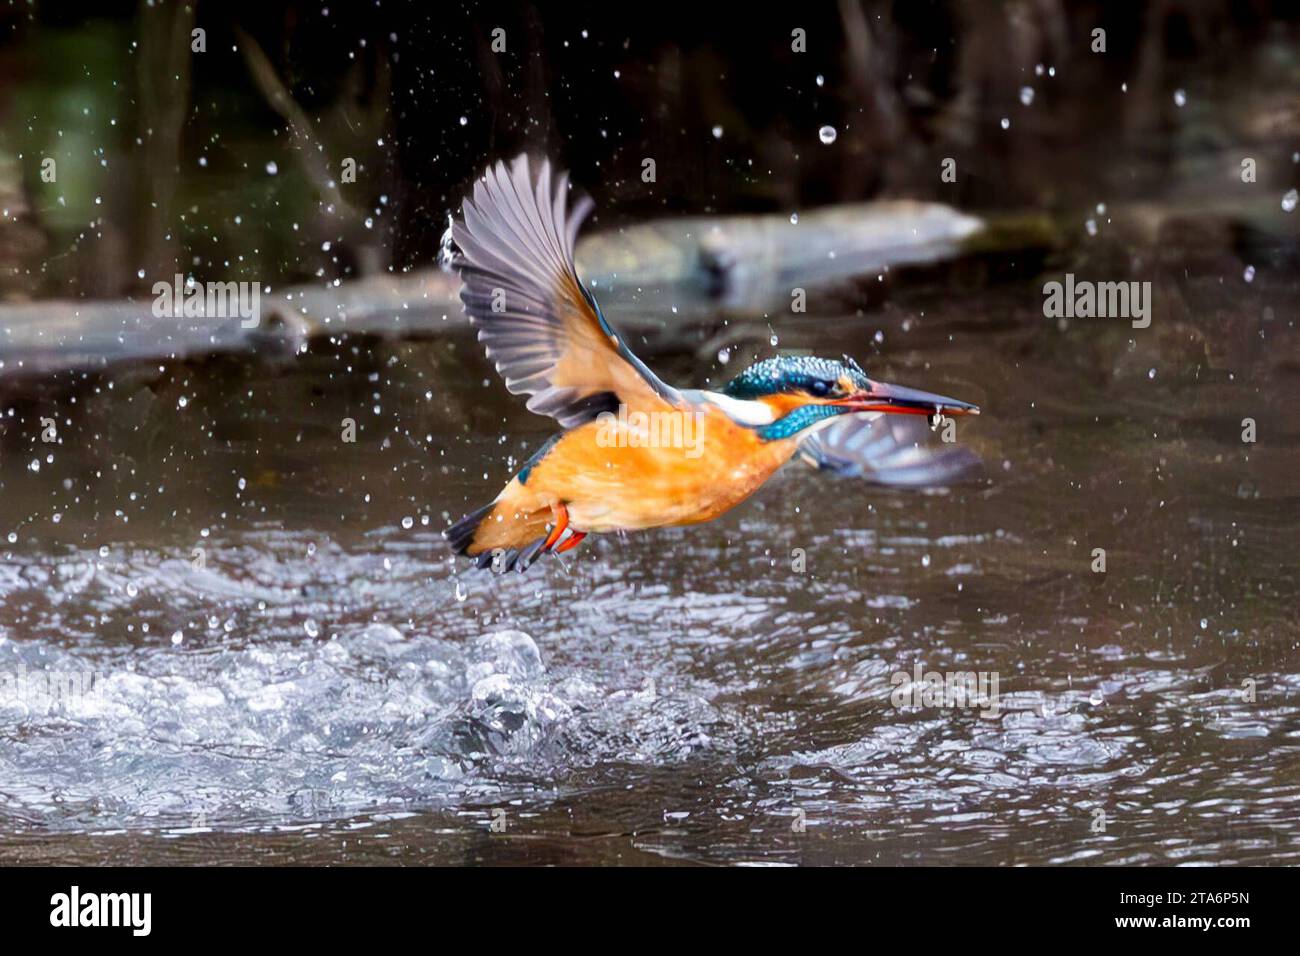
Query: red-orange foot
pixel 572 542
pixel 561 515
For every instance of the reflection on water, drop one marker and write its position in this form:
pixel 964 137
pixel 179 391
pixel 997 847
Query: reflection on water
pixel 287 666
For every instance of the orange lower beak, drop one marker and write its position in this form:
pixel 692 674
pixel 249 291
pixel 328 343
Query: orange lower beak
pixel 901 400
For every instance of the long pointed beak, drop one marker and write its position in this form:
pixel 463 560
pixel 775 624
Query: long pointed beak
pixel 901 400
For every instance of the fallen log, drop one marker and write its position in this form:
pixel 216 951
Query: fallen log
pixel 658 279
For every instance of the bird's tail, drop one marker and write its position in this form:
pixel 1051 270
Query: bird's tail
pixel 500 535
pixel 461 535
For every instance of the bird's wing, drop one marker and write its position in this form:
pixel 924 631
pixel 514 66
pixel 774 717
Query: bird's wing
pixel 539 324
pixel 886 450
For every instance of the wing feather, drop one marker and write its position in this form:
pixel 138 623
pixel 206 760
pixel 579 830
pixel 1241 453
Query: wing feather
pixel 539 325
pixel 886 450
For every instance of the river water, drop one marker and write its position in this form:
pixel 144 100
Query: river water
pixel 282 663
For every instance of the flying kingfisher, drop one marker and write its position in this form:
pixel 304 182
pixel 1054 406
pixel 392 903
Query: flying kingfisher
pixel 635 452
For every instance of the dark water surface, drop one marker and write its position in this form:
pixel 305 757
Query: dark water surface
pixel 323 684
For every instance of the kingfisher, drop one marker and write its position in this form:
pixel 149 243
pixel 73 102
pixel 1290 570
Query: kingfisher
pixel 634 452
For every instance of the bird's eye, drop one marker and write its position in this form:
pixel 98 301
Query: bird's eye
pixel 820 388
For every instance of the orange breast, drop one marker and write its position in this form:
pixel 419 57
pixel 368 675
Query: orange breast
pixel 652 468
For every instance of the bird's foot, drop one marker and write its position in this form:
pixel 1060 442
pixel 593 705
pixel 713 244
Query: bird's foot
pixel 561 515
pixel 572 542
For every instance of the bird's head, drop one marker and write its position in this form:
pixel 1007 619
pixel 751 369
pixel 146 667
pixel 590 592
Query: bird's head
pixel 803 392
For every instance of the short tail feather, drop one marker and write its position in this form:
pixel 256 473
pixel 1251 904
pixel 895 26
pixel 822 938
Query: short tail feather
pixel 463 535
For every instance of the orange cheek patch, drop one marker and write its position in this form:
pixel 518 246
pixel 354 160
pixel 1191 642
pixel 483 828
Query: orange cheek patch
pixel 783 405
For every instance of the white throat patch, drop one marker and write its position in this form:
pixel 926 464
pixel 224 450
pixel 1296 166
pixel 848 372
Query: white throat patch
pixel 740 411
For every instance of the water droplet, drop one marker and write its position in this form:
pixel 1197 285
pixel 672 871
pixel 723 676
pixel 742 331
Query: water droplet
pixel 1096 699
pixel 178 636
pixel 272 168
pixel 1204 624
pixel 821 80
pixel 794 218
pixel 1026 95
pixel 461 594
pixel 925 560
pixel 408 522
pixel 182 402
pixel 717 132
pixel 12 537
pixel 1289 201
pixel 1180 98
pixel 131 589
pixel 1006 123
pixel 724 356
pixel 1091 227
pixel 827 135
pixel 446 249
pixel 1249 274
pixel 311 627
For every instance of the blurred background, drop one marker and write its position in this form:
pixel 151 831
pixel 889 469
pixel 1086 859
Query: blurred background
pixel 165 157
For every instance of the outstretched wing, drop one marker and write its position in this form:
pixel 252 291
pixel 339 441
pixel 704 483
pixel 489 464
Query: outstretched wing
pixel 886 450
pixel 541 327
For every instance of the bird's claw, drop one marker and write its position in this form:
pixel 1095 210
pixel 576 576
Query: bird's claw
pixel 561 515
